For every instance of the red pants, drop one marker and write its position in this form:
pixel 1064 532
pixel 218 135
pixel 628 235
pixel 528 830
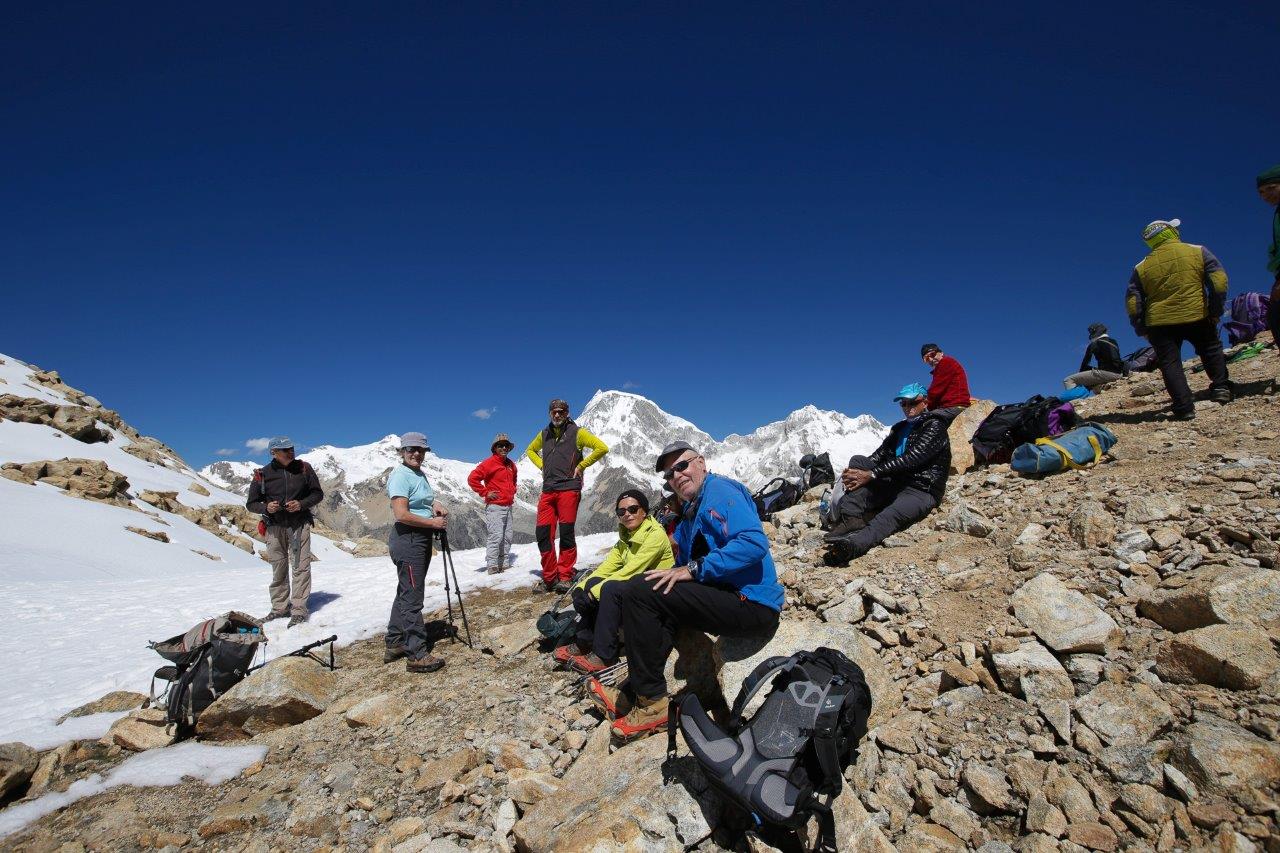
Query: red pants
pixel 557 508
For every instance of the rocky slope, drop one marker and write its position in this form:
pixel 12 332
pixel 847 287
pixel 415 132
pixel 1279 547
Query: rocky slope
pixel 1082 662
pixel 635 429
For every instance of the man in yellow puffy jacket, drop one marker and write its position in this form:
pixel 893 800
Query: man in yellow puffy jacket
pixel 1176 294
pixel 643 545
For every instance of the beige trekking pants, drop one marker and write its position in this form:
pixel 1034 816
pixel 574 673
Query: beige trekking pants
pixel 284 542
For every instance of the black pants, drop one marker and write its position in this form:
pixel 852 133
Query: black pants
pixel 650 619
pixel 1168 340
pixel 411 552
pixel 601 619
pixel 880 509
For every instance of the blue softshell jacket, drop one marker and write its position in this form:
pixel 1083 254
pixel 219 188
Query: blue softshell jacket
pixel 734 549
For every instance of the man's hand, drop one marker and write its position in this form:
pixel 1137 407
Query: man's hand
pixel 493 496
pixel 293 506
pixel 577 471
pixel 855 478
pixel 273 506
pixel 439 509
pixel 665 579
pixel 440 522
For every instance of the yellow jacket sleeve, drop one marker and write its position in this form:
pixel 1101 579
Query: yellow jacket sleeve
pixel 613 563
pixel 654 551
pixel 532 451
pixel 586 441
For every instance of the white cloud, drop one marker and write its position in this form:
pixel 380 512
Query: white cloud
pixel 629 385
pixel 257 445
pixel 226 451
pixel 484 414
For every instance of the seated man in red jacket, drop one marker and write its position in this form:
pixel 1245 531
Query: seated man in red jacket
pixel 949 390
pixel 494 479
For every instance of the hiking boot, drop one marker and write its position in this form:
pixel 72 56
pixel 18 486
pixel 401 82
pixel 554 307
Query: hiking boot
pixel 297 620
pixel 560 588
pixel 587 664
pixel 840 550
pixel 1221 395
pixel 494 570
pixel 649 716
pixel 1183 416
pixel 564 654
pixel 613 702
pixel 845 527
pixel 543 586
pixel 394 653
pixel 430 663
pixel 274 615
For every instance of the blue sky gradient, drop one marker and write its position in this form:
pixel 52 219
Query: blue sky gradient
pixel 338 223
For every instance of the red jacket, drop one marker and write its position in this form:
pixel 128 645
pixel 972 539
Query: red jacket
pixel 950 386
pixel 494 474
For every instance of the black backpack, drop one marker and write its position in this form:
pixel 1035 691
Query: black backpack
pixel 1141 360
pixel 818 469
pixel 778 494
pixel 1019 423
pixel 794 749
pixel 208 660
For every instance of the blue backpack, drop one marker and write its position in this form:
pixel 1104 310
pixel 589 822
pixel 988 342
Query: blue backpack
pixel 1077 448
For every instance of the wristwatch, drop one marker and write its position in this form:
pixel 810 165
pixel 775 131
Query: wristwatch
pixel 695 568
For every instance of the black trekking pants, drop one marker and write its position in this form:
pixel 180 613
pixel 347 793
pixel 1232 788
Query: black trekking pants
pixel 411 552
pixel 601 619
pixel 883 509
pixel 1168 340
pixel 650 619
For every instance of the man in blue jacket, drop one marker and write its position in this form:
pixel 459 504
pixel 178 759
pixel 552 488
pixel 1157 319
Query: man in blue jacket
pixel 724 583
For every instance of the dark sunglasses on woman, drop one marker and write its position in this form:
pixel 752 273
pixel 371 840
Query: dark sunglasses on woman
pixel 628 510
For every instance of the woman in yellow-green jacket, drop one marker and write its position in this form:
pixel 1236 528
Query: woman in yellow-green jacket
pixel 642 546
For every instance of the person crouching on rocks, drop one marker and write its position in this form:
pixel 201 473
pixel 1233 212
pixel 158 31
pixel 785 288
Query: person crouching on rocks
pixel 418 515
pixel 642 546
pixel 725 584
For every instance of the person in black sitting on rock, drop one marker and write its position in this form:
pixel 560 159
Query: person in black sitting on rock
pixel 1106 352
pixel 897 485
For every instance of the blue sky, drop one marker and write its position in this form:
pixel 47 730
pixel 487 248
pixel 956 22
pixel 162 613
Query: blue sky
pixel 336 223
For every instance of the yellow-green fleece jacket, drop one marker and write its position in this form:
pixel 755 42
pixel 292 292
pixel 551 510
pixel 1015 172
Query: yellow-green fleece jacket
pixel 647 548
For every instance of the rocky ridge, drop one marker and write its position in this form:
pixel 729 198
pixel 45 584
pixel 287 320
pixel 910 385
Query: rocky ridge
pixel 1081 662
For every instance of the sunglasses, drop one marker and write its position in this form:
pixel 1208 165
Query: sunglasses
pixel 414 449
pixel 906 404
pixel 628 510
pixel 677 468
pixel 559 411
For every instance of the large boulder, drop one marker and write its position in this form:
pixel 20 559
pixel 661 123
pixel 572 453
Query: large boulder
pixel 740 655
pixel 1222 758
pixel 1123 714
pixel 1032 672
pixel 17 762
pixel 285 692
pixel 1239 657
pixel 1217 595
pixel 1064 619
pixel 141 730
pixel 961 431
pixel 622 801
pixel 115 701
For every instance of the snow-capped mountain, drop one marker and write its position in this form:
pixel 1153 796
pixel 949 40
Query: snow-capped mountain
pixel 635 429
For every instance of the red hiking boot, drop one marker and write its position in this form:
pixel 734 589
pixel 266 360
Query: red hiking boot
pixel 587 664
pixel 648 717
pixel 611 701
pixel 564 654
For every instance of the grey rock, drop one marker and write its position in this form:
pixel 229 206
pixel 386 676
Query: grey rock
pixel 17 762
pixel 1222 758
pixel 1144 509
pixel 285 692
pixel 1124 713
pixel 1064 619
pixel 1238 657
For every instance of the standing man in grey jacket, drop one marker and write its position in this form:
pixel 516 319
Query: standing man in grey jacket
pixel 284 491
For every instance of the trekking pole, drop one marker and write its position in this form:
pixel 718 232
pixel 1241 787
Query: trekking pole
pixel 449 569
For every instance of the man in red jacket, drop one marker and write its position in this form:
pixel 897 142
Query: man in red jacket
pixel 949 390
pixel 494 479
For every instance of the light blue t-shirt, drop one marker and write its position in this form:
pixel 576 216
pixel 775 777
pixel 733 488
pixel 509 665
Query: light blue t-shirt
pixel 404 482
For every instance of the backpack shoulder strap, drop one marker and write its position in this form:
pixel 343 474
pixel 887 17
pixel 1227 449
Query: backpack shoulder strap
pixel 826 736
pixel 751 685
